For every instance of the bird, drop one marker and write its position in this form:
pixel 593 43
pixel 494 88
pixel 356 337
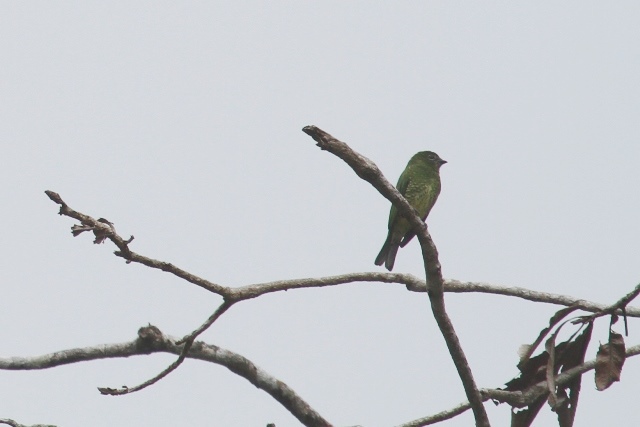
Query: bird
pixel 419 183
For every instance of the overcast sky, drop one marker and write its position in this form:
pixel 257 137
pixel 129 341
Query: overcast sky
pixel 181 123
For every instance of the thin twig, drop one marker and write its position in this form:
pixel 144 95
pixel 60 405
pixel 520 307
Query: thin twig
pixel 226 305
pixel 186 342
pixel 440 416
pixel 618 306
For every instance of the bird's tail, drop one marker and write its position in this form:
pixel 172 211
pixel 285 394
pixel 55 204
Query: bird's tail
pixel 388 252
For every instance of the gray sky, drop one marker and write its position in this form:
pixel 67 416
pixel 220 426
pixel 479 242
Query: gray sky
pixel 181 124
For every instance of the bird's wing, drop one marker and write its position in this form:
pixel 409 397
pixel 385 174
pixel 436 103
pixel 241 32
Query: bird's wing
pixel 402 185
pixel 424 203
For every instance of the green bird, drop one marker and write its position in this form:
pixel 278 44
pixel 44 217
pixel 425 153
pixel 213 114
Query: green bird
pixel 419 183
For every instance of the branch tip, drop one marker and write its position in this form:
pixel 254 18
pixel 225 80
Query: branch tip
pixel 322 138
pixel 55 197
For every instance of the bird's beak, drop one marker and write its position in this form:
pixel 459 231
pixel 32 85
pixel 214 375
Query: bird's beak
pixel 442 162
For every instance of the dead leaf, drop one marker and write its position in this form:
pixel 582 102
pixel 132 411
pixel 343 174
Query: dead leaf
pixel 609 361
pixel 550 347
pixel 573 356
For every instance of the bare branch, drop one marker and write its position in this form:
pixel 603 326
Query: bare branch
pixel 253 291
pixel 368 171
pixel 106 230
pixel 416 284
pixel 13 423
pixel 170 268
pixel 529 295
pixel 440 416
pixel 152 340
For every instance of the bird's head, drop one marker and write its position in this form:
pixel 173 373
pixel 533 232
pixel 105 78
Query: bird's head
pixel 430 158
